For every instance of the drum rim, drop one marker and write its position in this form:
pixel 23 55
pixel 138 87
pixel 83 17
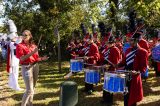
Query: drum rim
pixel 76 60
pixel 114 75
pixel 90 70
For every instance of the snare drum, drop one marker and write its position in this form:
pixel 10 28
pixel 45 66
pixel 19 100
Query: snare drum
pixel 156 53
pixel 92 76
pixel 114 83
pixel 76 65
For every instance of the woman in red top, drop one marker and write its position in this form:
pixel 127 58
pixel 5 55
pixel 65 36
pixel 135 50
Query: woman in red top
pixel 27 52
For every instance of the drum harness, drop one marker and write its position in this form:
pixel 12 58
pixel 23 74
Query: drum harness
pixel 129 62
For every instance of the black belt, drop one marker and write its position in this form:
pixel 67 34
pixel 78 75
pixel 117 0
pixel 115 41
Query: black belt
pixel 29 63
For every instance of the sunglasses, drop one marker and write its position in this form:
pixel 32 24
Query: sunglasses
pixel 25 35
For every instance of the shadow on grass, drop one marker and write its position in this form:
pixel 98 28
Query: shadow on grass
pixel 52 103
pixel 151 83
pixel 16 97
pixel 55 83
pixel 155 103
pixel 44 95
pixel 37 97
pixel 52 78
pixel 93 100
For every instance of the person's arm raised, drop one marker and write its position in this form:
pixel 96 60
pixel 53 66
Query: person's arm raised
pixel 24 57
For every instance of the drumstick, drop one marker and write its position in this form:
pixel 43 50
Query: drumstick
pixel 110 62
pixel 89 64
pixel 138 28
pixel 98 66
pixel 130 72
pixel 103 66
pixel 80 57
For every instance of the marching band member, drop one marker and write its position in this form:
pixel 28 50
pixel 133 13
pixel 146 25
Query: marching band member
pixel 3 47
pixel 156 64
pixel 104 35
pixel 91 56
pixel 111 56
pixel 84 32
pixel 135 60
pixel 131 29
pixel 145 45
pixel 73 50
pixel 119 42
pixel 13 63
pixel 12 60
pixel 96 40
pixel 95 36
pixel 126 44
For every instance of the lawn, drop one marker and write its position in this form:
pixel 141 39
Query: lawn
pixel 48 88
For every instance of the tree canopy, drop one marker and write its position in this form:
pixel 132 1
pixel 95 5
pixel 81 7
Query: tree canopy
pixel 41 16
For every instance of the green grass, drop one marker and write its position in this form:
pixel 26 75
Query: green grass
pixel 48 89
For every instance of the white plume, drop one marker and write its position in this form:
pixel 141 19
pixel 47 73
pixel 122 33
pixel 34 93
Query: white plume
pixel 12 35
pixel 12 26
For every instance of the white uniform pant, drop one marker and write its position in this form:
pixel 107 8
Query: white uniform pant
pixel 13 78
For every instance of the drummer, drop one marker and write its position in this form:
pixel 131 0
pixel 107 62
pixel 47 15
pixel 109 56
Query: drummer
pixel 136 61
pixel 156 64
pixel 145 45
pixel 111 56
pixel 73 50
pixel 103 34
pixel 91 56
pixel 95 35
pixel 119 41
pixel 95 39
pixel 126 44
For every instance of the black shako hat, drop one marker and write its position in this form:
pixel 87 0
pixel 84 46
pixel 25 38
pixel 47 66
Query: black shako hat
pixel 111 39
pixel 137 35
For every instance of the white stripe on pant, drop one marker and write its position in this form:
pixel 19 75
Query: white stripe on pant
pixel 30 77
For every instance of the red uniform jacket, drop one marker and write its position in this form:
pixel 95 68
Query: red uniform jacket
pixel 95 34
pixel 93 54
pixel 71 50
pixel 103 43
pixel 8 58
pixel 144 44
pixel 82 49
pixel 113 56
pixel 102 53
pixel 120 47
pixel 140 64
pixel 97 43
pixel 158 66
pixel 86 36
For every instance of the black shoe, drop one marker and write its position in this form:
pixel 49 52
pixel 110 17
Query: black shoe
pixel 90 92
pixel 84 90
pixel 107 103
pixel 102 101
